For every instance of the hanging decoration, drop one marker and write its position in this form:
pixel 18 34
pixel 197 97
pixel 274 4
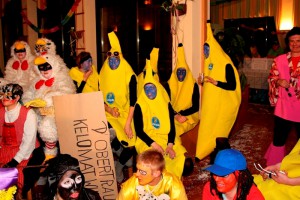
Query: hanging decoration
pixel 55 28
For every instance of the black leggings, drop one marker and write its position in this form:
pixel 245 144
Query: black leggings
pixel 282 128
pixel 127 152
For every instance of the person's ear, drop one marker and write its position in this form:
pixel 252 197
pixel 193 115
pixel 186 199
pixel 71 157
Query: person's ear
pixel 156 173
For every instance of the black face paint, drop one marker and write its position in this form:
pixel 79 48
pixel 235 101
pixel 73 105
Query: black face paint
pixel 45 67
pixel 70 185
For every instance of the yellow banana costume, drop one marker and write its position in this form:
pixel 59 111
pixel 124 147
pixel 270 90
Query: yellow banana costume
pixel 91 83
pixel 156 123
pixel 115 87
pixel 181 93
pixel 153 61
pixel 219 107
pixel 275 191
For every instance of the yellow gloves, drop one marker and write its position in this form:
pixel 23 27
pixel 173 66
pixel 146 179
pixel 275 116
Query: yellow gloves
pixel 38 103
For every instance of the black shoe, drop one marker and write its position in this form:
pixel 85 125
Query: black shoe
pixel 188 167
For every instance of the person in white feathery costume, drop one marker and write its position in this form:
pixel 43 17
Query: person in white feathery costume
pixel 53 80
pixel 19 68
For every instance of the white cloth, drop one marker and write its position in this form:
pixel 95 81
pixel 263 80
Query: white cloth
pixel 30 131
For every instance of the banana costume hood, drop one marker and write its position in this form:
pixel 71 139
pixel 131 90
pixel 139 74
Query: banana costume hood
pixel 182 93
pixel 153 61
pixel 17 71
pixel 40 95
pixel 115 87
pixel 219 107
pixel 156 123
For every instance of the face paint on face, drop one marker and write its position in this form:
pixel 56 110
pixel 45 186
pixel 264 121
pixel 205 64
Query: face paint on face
pixel 21 55
pixel 113 59
pixel 144 173
pixel 226 183
pixel 70 185
pixel 86 65
pixel 206 50
pixel 150 90
pixel 181 73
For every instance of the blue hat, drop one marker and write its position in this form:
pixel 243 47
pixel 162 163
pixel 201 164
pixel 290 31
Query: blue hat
pixel 227 161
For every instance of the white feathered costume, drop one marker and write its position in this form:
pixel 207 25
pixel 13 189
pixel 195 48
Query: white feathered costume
pixel 19 71
pixel 40 95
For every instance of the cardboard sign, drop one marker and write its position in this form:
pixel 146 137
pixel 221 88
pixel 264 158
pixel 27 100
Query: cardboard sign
pixel 83 133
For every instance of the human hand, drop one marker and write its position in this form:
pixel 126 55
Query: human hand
pixel 115 112
pixel 210 80
pixel 180 118
pixel 38 103
pixel 281 177
pixel 87 74
pixel 128 130
pixel 11 164
pixel 283 83
pixel 170 151
pixel 157 147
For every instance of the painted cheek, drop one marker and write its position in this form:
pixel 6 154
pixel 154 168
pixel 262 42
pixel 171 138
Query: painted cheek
pixel 225 184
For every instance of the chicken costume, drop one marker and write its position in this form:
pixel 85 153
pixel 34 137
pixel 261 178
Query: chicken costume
pixel 184 94
pixel 154 123
pixel 153 61
pixel 114 83
pixel 219 106
pixel 275 191
pixel 40 96
pixel 19 71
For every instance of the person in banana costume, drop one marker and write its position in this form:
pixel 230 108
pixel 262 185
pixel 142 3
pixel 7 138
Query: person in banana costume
pixel 19 68
pixel 154 124
pixel 119 86
pixel 221 96
pixel 85 75
pixel 282 185
pixel 184 95
pixel 53 80
pixel 141 76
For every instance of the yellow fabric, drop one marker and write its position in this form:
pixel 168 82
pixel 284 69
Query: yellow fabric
pixel 116 82
pixel 169 185
pixel 91 83
pixel 153 61
pixel 219 107
pixel 158 108
pixel 38 103
pixel 274 191
pixel 182 92
pixel 8 194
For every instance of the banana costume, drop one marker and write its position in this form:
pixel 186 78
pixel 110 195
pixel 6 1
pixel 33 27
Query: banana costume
pixel 156 123
pixel 40 93
pixel 17 71
pixel 115 87
pixel 91 83
pixel 219 107
pixel 275 191
pixel 153 61
pixel 181 93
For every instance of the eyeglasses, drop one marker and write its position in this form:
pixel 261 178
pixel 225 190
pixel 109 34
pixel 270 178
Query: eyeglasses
pixel 142 172
pixel 287 90
pixel 115 54
pixel 7 95
pixel 270 173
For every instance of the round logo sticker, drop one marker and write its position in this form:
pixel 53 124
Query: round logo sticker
pixel 155 122
pixel 110 98
pixel 210 66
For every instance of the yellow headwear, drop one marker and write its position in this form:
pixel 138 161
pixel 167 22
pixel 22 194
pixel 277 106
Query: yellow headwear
pixel 39 60
pixel 19 46
pixel 114 42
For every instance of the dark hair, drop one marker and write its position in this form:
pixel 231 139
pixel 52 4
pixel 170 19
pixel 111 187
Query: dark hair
pixel 57 167
pixel 293 31
pixel 83 56
pixel 245 182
